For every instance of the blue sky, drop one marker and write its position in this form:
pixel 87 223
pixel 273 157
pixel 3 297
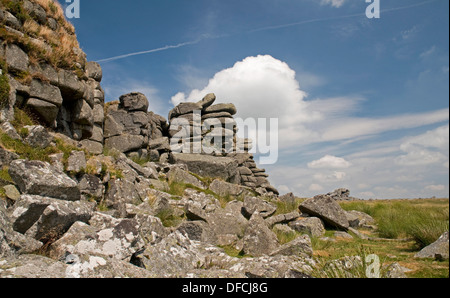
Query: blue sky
pixel 363 103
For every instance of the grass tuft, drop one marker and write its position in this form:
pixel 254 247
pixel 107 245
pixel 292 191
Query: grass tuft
pixel 423 221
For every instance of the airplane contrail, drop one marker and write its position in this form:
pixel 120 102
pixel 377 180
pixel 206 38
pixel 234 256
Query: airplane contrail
pixel 152 51
pixel 274 27
pixel 338 17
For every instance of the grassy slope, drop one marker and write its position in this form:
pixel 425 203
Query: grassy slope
pixel 422 221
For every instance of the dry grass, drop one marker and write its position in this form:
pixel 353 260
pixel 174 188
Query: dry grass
pixel 31 27
pixel 423 221
pixel 55 10
pixel 44 44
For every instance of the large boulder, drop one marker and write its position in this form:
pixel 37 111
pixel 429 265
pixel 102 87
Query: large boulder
pixel 255 204
pixel 177 175
pixel 12 242
pixel 282 218
pixel 33 266
pixel 76 162
pixel 94 71
pixel 70 85
pixel 183 109
pixel 119 241
pixel 38 136
pixel 72 266
pixel 207 101
pixel 133 102
pixel 40 178
pixel 224 189
pixel 224 168
pixel 119 193
pixel 437 250
pixel 91 186
pixel 48 112
pixel 327 209
pixel 222 107
pixel 228 222
pixel 358 219
pixel 259 240
pixel 16 59
pixel 176 255
pixel 309 225
pixel 6 157
pixel 300 246
pixel 125 143
pixel 46 219
pixel 46 92
pixel 341 194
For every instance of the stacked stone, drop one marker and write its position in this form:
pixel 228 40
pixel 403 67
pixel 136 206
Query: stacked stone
pixel 132 130
pixel 251 176
pixel 207 122
pixel 95 143
pixel 127 127
pixel 67 100
pixel 158 146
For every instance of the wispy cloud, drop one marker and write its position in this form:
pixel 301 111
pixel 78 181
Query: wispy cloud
pixel 336 3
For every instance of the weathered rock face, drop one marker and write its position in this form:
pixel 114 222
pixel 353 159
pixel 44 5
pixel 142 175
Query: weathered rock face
pixel 438 250
pixel 62 89
pixel 326 209
pixel 12 242
pixel 119 241
pixel 209 166
pixel 358 219
pixel 254 204
pixel 259 239
pixel 40 178
pixel 310 225
pixel 131 129
pixel 300 246
pixel 341 194
pixel 45 219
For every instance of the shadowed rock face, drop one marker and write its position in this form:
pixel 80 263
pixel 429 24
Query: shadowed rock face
pixel 209 166
pixel 327 209
pixel 61 89
pixel 40 178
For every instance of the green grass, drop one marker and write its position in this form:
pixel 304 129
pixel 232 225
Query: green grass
pixel 4 175
pixel 22 118
pixel 422 220
pixel 233 252
pixel 26 151
pixel 4 84
pixel 287 207
pixel 178 188
pixel 140 161
pixel 169 219
pixel 285 237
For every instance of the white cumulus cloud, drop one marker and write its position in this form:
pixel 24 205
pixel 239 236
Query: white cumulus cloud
pixel 259 86
pixel 329 162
